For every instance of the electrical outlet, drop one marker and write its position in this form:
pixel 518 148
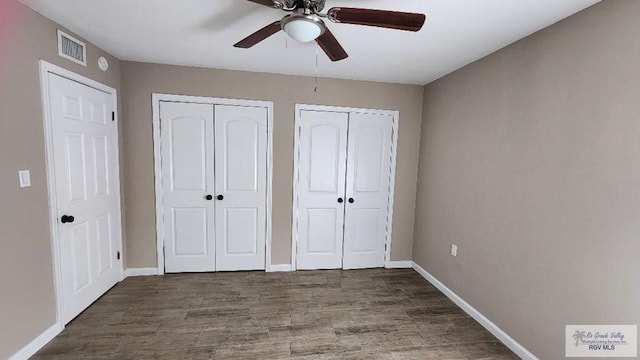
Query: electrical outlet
pixel 25 178
pixel 454 250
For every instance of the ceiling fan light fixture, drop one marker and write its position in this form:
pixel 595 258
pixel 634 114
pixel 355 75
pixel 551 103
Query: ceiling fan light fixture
pixel 303 28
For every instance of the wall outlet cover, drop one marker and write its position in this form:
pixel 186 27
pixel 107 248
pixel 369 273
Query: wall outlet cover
pixel 25 178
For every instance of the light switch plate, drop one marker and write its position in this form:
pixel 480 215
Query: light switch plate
pixel 454 250
pixel 25 178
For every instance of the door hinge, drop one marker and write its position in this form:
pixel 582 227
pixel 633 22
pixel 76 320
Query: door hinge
pixel 113 116
pixel 118 255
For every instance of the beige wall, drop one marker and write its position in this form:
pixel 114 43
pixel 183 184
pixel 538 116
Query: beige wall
pixel 27 302
pixel 530 163
pixel 140 80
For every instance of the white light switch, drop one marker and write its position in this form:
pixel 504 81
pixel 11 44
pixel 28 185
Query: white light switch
pixel 25 178
pixel 454 250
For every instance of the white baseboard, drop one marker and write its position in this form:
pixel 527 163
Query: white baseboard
pixel 280 268
pixel 392 265
pixel 140 272
pixel 406 264
pixel 38 343
pixel 475 314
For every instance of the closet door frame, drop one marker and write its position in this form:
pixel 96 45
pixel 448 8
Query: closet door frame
pixel 296 160
pixel 156 99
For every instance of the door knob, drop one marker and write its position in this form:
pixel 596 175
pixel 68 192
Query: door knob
pixel 67 219
pixel 220 197
pixel 340 200
pixel 209 197
pixel 351 201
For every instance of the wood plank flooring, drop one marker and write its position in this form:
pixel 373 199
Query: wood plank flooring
pixel 311 315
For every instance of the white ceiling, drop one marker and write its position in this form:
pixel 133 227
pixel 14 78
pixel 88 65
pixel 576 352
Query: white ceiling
pixel 202 33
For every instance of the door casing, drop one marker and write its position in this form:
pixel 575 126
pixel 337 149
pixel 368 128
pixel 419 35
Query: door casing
pixel 394 146
pixel 157 156
pixel 45 69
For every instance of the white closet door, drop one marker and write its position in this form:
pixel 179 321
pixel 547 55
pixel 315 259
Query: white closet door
pixel 87 194
pixel 240 172
pixel 368 179
pixel 322 161
pixel 187 179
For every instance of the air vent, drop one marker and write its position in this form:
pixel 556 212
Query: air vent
pixel 72 48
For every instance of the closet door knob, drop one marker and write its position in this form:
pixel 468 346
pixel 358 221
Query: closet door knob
pixel 67 219
pixel 351 201
pixel 209 197
pixel 340 200
pixel 220 197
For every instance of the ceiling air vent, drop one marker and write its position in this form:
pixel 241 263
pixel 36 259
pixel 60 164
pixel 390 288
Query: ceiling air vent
pixel 72 48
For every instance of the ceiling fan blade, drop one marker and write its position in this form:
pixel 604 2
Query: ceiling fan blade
pixel 276 4
pixel 259 35
pixel 379 18
pixel 331 46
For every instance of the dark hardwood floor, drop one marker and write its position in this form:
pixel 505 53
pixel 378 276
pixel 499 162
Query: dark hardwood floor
pixel 360 314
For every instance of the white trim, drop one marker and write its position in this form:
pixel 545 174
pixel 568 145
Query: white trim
pixel 157 169
pixel 280 268
pixel 38 343
pixel 131 272
pixel 392 188
pixel 507 340
pixel 45 69
pixel 296 152
pixel 63 55
pixel 404 264
pixel 267 262
pixel 156 98
pixel 296 175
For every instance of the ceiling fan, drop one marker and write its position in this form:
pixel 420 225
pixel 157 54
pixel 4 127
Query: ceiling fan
pixel 305 23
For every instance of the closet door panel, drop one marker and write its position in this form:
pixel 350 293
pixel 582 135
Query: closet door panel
pixel 187 173
pixel 321 182
pixel 241 187
pixel 367 190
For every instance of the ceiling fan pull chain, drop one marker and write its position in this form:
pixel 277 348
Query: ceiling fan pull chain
pixel 316 88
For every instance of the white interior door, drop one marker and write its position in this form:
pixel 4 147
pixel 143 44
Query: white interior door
pixel 321 187
pixel 241 188
pixel 367 190
pixel 187 180
pixel 85 150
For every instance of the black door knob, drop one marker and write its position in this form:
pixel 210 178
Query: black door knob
pixel 340 200
pixel 209 197
pixel 220 197
pixel 67 219
pixel 351 201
